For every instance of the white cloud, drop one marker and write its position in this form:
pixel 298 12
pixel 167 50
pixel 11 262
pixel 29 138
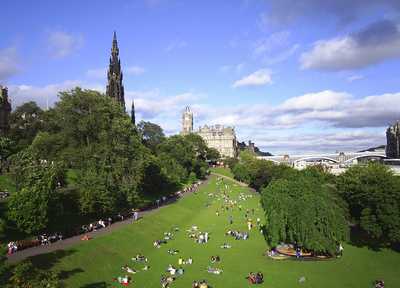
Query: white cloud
pixel 376 43
pixel 62 44
pixel 259 78
pixel 317 101
pixel 9 63
pixel 45 95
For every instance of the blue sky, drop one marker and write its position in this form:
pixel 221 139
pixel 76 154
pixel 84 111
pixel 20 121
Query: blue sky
pixel 296 77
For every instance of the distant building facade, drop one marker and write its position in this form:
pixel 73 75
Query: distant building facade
pixel 393 141
pixel 187 121
pixel 221 138
pixel 5 110
pixel 115 88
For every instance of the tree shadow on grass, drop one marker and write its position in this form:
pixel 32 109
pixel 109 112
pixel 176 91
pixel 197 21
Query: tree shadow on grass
pixel 360 239
pixel 49 260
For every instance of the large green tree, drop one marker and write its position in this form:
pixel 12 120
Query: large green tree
pixel 25 122
pixel 373 195
pixel 306 211
pixel 36 199
pixel 151 133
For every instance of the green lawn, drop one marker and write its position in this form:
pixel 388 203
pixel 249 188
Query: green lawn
pixel 222 171
pixel 94 263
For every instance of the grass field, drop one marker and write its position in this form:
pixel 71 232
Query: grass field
pixel 222 171
pixel 94 263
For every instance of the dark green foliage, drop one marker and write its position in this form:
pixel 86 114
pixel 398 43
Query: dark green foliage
pixel 152 134
pixel 259 173
pixel 36 200
pixel 373 195
pixel 306 211
pixel 25 275
pixel 213 154
pixel 25 123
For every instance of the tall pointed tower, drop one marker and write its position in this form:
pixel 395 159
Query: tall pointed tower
pixel 5 110
pixel 115 89
pixel 187 121
pixel 133 118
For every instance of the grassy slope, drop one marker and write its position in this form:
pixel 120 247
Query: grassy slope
pixel 91 263
pixel 222 171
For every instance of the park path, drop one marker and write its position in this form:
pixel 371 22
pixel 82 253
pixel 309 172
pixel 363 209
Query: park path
pixel 68 242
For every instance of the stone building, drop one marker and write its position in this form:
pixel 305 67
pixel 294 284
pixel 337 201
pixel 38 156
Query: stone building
pixel 221 138
pixel 393 141
pixel 5 110
pixel 187 121
pixel 115 89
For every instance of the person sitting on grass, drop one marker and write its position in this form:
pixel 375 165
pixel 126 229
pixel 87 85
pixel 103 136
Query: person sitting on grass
pixel 85 238
pixel 203 284
pixel 128 269
pixel 145 268
pixel 180 271
pixel 189 261
pixel 226 246
pixel 252 278
pixel 171 269
pixel 215 259
pixel 379 284
pixel 166 280
pixel 123 280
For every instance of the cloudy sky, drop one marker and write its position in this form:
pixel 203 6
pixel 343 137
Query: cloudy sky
pixel 315 76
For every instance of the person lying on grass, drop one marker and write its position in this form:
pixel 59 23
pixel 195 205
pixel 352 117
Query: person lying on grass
pixel 139 258
pixel 214 270
pixel 255 278
pixel 200 284
pixel 226 246
pixel 158 243
pixel 173 251
pixel 166 280
pixel 168 236
pixel 128 269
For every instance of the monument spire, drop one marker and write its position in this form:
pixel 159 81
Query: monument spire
pixel 115 89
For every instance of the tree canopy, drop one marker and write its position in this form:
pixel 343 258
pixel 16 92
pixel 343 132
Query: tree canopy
pixel 373 195
pixel 304 210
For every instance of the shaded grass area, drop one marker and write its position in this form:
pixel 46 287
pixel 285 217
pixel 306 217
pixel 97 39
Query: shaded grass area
pixel 223 171
pixel 94 263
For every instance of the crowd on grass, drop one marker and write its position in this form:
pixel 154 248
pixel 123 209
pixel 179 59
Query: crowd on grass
pixel 47 239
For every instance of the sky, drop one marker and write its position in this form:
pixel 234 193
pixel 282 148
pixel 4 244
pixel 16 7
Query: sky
pixel 304 76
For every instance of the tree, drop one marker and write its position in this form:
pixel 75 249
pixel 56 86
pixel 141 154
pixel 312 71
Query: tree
pixel 304 210
pixel 25 275
pixel 373 195
pixel 152 134
pixel 34 203
pixel 25 123
pixel 212 154
pixel 6 149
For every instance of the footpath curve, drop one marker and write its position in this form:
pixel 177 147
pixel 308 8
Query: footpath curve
pixel 68 242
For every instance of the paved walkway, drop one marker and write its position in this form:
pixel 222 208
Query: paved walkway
pixel 68 242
